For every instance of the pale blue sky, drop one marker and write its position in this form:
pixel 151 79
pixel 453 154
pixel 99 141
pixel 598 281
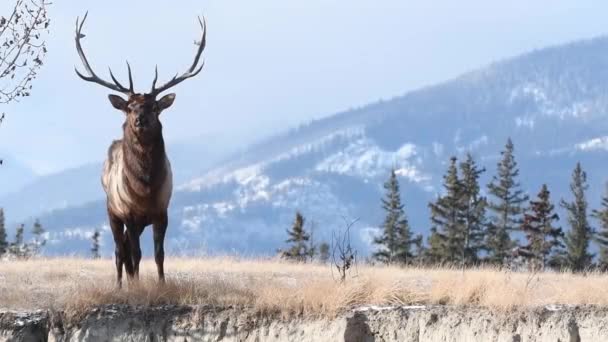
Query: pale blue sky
pixel 271 64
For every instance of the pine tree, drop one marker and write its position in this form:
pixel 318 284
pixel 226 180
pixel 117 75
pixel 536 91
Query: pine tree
pixel 395 241
pixel 473 211
pixel 39 240
pixel 446 217
pixel 506 207
pixel 405 243
pixel 95 244
pixel 17 248
pixel 298 238
pixel 543 238
pixel 601 236
pixel 420 251
pixel 324 252
pixel 558 260
pixel 435 252
pixel 312 247
pixel 581 233
pixel 3 241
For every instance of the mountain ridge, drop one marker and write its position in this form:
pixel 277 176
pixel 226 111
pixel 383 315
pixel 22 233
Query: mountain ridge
pixel 551 101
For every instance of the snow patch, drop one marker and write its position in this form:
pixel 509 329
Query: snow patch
pixel 364 159
pixel 474 145
pixel 343 134
pixel 438 149
pixel 251 173
pixel 222 208
pixel 595 144
pixel 525 122
pixel 76 233
pixel 548 102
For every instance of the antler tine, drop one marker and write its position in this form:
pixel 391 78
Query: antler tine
pixel 202 44
pixel 79 28
pixel 130 78
pixel 194 69
pixel 79 47
pixel 120 84
pixel 155 77
pixel 92 75
pixel 114 79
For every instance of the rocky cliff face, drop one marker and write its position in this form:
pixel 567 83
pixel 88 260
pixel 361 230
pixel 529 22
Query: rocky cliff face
pixel 437 323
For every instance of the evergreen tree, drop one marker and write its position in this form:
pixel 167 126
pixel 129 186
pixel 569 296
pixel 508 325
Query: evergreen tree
pixel 473 210
pixel 312 247
pixel 39 240
pixel 506 208
pixel 601 236
pixel 581 233
pixel 95 244
pixel 395 241
pixel 420 251
pixel 558 260
pixel 446 217
pixel 298 238
pixel 405 243
pixel 434 254
pixel 324 252
pixel 17 248
pixel 543 238
pixel 3 241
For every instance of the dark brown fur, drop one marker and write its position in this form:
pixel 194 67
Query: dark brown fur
pixel 144 168
pixel 137 174
pixel 135 178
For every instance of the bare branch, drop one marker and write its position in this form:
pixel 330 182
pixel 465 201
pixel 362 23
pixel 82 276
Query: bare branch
pixel 344 257
pixel 22 48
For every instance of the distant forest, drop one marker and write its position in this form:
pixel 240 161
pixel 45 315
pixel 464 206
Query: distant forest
pixel 506 228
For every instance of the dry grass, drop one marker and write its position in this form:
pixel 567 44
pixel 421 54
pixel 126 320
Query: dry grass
pixel 283 288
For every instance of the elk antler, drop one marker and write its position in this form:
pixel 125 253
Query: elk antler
pixel 93 77
pixel 193 71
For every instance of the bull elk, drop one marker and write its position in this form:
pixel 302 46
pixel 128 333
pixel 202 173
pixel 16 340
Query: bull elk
pixel 137 176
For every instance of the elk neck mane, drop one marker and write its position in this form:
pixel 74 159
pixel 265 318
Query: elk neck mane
pixel 144 163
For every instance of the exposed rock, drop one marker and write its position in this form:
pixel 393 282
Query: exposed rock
pixel 201 323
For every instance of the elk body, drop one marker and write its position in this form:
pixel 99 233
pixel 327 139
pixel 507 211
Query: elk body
pixel 137 176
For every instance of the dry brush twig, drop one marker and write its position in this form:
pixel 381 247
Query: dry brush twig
pixel 344 257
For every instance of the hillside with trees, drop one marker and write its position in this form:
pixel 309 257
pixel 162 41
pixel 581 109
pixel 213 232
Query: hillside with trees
pixel 551 103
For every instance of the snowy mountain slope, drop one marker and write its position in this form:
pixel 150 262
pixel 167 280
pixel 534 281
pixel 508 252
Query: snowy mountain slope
pixel 552 102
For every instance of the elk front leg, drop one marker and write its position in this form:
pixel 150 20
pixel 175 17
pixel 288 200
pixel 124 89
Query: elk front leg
pixel 159 228
pixel 133 233
pixel 120 253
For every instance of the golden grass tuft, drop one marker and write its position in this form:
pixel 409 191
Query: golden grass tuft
pixel 272 286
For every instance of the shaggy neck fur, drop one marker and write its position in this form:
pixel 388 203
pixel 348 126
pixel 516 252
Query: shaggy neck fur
pixel 144 163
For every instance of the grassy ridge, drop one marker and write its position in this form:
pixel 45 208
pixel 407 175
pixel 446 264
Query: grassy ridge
pixel 278 287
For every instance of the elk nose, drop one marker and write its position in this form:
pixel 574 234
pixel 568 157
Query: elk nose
pixel 140 121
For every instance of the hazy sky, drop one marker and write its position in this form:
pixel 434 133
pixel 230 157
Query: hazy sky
pixel 270 64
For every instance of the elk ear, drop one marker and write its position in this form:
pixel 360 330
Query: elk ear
pixel 166 101
pixel 118 102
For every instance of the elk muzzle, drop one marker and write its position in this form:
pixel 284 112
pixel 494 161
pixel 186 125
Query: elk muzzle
pixel 141 121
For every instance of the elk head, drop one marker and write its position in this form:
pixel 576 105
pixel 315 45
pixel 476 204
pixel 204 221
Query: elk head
pixel 141 110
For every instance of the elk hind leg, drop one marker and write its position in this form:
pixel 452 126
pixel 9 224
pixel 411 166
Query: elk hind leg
pixel 127 261
pixel 159 227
